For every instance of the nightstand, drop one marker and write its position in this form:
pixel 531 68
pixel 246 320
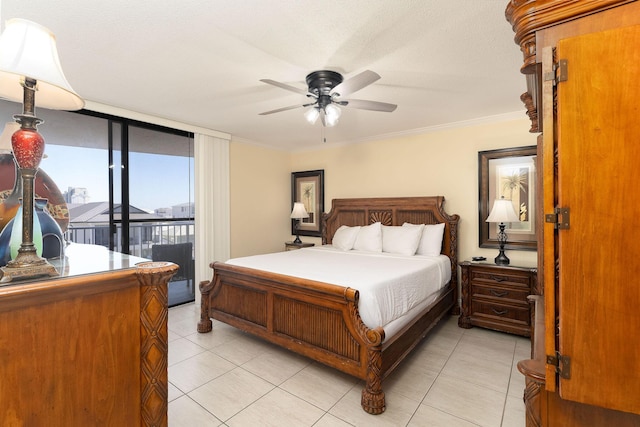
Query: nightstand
pixel 291 246
pixel 495 297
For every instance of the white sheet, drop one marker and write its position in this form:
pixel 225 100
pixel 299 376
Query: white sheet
pixel 390 285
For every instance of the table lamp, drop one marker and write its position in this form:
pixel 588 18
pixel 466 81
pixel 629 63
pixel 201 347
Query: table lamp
pixel 298 213
pixel 29 63
pixel 502 212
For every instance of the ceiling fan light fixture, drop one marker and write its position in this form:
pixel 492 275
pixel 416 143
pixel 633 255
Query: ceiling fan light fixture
pixel 332 114
pixel 312 115
pixel 326 88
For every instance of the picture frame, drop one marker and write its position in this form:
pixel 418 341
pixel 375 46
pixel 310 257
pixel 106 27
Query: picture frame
pixel 509 173
pixel 308 187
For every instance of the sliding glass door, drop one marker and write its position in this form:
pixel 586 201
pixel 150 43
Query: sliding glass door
pixel 161 180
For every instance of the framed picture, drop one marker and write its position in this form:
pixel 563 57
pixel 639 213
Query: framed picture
pixel 308 187
pixel 508 173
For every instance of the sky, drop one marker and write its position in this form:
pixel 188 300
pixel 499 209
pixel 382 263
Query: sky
pixel 156 180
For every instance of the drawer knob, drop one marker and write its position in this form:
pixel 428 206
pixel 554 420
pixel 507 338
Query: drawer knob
pixel 498 278
pixel 499 312
pixel 498 293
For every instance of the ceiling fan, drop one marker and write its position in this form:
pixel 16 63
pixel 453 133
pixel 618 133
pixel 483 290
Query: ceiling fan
pixel 327 90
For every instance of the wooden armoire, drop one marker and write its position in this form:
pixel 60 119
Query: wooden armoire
pixel 582 65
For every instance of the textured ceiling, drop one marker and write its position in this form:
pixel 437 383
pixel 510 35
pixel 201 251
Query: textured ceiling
pixel 200 61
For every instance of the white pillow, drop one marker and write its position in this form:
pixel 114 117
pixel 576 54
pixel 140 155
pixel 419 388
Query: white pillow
pixel 401 240
pixel 345 237
pixel 431 240
pixel 369 238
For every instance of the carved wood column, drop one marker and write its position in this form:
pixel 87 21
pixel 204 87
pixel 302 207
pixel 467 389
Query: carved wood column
pixel 154 346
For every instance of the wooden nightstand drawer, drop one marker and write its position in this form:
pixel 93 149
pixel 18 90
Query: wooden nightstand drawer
pixel 501 294
pixel 492 277
pixel 488 309
pixel 495 297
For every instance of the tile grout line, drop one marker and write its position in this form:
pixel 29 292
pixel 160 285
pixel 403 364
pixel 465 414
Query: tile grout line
pixel 506 396
pixel 434 381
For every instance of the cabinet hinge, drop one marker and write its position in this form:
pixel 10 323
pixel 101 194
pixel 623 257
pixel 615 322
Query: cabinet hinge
pixel 560 218
pixel 559 73
pixel 562 365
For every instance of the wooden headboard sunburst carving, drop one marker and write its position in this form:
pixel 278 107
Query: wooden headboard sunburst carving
pixel 394 211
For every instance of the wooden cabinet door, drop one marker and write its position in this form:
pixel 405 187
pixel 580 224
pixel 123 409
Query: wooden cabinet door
pixel 598 179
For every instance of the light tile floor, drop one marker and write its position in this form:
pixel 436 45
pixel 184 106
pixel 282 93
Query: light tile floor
pixel 455 377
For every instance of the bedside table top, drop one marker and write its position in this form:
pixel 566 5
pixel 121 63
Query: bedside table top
pixel 488 263
pixel 299 245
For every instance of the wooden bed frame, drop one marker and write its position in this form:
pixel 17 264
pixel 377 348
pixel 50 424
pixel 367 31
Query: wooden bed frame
pixel 320 320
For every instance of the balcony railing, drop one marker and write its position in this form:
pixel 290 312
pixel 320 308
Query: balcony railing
pixel 142 235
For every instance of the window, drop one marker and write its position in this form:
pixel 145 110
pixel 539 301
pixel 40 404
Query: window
pixel 128 185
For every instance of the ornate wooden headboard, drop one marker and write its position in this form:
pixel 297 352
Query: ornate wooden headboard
pixel 394 211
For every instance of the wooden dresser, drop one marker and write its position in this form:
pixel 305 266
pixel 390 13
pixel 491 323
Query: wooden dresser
pixel 495 297
pixel 87 349
pixel 582 66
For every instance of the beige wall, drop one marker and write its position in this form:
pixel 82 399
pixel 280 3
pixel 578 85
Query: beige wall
pixel 443 162
pixel 259 181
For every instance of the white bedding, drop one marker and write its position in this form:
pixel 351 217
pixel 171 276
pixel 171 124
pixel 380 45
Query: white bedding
pixel 390 285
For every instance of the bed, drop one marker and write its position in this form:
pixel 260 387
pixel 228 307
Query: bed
pixel 321 320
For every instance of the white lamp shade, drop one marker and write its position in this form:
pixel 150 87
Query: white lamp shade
pixel 503 211
pixel 299 211
pixel 29 50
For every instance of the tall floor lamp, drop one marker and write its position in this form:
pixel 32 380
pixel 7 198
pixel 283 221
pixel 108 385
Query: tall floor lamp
pixel 29 63
pixel 502 212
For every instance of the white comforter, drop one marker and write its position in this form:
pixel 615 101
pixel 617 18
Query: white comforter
pixel 389 285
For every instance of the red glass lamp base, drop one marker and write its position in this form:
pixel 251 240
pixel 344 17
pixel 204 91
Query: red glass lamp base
pixel 28 148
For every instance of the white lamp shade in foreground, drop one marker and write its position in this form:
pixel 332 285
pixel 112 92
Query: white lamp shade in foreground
pixel 29 50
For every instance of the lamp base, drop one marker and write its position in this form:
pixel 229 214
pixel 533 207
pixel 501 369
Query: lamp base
pixel 501 259
pixel 297 241
pixel 19 270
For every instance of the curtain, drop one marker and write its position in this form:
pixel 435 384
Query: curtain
pixel 212 224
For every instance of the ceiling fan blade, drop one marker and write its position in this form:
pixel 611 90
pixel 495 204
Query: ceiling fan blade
pixel 291 107
pixel 369 105
pixel 285 86
pixel 355 83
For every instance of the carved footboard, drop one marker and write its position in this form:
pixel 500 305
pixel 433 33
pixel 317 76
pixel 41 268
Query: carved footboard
pixel 317 320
